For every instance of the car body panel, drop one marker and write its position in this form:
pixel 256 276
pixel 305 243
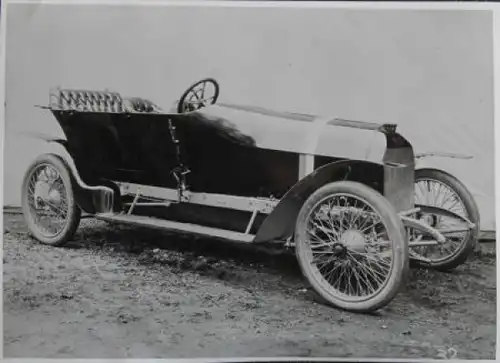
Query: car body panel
pixel 238 150
pixel 108 145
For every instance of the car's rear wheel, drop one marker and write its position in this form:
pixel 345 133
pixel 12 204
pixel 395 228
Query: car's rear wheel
pixel 351 246
pixel 48 203
pixel 439 189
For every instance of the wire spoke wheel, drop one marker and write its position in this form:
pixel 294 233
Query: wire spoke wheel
pixel 47 199
pixel 437 194
pixel 438 189
pixel 48 203
pixel 349 246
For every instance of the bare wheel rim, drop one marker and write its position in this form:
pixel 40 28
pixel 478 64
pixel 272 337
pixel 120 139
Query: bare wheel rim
pixel 348 248
pixel 197 97
pixel 435 193
pixel 47 200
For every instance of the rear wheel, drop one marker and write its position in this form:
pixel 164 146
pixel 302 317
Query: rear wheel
pixel 48 201
pixel 351 246
pixel 439 189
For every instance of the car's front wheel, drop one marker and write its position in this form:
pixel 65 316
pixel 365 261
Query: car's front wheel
pixel 351 246
pixel 437 188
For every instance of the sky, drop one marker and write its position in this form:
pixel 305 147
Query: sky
pixel 429 71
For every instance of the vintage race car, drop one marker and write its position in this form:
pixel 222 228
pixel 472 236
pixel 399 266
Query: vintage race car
pixel 254 175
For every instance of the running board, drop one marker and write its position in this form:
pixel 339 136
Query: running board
pixel 176 226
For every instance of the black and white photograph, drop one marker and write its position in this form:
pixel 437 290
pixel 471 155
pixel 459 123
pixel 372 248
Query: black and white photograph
pixel 249 179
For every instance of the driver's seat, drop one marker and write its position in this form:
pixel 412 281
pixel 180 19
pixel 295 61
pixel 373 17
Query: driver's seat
pixel 137 104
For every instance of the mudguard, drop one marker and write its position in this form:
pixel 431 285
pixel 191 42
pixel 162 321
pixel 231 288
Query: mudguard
pixel 394 178
pixel 281 222
pixel 91 199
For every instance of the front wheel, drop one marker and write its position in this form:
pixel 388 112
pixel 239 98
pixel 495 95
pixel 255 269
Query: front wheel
pixel 351 246
pixel 437 188
pixel 48 201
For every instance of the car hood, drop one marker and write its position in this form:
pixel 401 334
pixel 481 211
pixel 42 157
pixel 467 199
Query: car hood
pixel 296 133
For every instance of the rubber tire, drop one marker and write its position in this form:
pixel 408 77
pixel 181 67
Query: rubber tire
pixel 467 248
pixel 396 233
pixel 74 211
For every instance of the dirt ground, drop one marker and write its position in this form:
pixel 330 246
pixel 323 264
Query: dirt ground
pixel 124 292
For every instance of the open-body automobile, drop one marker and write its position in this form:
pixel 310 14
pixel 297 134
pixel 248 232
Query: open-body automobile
pixel 254 175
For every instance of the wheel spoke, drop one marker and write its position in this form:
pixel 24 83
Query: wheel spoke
pixel 436 193
pixel 47 200
pixel 196 99
pixel 348 245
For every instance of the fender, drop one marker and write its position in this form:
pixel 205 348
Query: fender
pixel 91 199
pixel 423 163
pixel 281 222
pixel 394 178
pixel 443 155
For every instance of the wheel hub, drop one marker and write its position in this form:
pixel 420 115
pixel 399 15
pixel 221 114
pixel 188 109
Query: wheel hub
pixel 430 219
pixel 353 240
pixel 44 194
pixel 338 250
pixel 54 197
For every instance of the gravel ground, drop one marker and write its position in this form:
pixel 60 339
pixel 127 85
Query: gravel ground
pixel 122 292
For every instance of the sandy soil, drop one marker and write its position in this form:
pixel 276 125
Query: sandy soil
pixel 122 292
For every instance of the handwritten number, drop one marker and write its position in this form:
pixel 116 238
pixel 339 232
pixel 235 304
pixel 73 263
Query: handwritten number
pixel 449 353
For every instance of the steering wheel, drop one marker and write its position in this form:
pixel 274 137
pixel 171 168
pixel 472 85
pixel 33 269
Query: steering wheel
pixel 195 96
